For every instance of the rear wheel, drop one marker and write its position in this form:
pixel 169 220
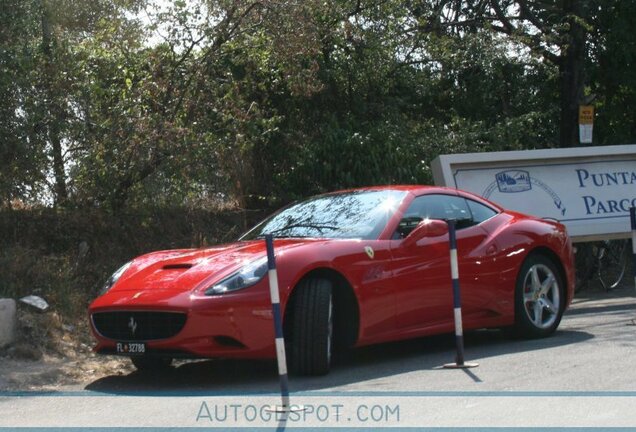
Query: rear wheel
pixel 311 338
pixel 151 363
pixel 539 298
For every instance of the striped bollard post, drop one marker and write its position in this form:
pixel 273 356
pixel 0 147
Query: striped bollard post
pixel 457 308
pixel 632 217
pixel 278 330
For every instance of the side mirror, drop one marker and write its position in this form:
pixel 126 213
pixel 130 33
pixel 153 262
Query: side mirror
pixel 426 228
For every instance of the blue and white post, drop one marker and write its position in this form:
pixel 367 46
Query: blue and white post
pixel 632 217
pixel 457 307
pixel 278 329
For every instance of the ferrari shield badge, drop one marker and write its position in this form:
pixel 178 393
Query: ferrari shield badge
pixel 369 251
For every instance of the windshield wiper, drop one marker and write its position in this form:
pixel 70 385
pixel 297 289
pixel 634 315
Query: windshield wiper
pixel 262 236
pixel 304 225
pixel 317 227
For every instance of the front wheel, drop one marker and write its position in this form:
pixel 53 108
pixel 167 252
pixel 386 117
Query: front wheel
pixel 311 319
pixel 539 298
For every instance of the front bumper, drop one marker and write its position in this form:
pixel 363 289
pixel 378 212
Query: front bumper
pixel 235 325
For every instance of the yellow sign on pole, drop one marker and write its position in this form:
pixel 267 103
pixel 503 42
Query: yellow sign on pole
pixel 586 123
pixel 586 114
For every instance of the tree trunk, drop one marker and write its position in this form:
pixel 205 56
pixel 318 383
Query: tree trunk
pixel 55 115
pixel 61 193
pixel 571 74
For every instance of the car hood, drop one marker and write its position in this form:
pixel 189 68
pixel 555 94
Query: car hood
pixel 185 269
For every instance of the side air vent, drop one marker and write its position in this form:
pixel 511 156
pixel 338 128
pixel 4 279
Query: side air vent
pixel 180 266
pixel 228 341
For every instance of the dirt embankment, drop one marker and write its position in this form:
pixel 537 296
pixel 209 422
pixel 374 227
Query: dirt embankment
pixel 49 352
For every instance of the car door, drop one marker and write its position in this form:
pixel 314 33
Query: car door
pixel 421 273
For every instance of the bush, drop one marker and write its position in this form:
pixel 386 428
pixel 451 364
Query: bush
pixel 66 255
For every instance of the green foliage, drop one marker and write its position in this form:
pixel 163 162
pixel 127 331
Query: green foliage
pixel 611 68
pixel 22 150
pixel 126 103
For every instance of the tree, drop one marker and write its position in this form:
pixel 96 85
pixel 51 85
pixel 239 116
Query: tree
pixel 556 31
pixel 610 68
pixel 22 149
pixel 116 103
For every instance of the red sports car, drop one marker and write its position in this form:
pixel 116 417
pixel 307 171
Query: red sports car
pixel 355 267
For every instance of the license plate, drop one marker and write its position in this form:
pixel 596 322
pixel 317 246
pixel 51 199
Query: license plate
pixel 130 348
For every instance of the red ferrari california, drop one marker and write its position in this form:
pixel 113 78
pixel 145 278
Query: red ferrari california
pixel 355 267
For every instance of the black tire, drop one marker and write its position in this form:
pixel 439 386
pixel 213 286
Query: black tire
pixel 151 363
pixel 538 313
pixel 310 338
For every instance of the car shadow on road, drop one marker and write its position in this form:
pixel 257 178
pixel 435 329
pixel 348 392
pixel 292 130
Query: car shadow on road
pixel 367 363
pixel 607 309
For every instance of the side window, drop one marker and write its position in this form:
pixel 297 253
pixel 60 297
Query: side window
pixel 480 212
pixel 434 206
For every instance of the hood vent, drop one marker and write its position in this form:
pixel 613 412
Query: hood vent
pixel 179 266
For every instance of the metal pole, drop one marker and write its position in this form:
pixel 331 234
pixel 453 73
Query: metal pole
pixel 632 217
pixel 278 331
pixel 278 322
pixel 457 308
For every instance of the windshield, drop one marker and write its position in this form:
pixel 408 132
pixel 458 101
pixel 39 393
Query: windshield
pixel 347 215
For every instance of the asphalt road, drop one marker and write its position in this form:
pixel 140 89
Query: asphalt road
pixel 584 375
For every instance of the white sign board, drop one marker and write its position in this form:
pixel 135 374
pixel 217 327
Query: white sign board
pixel 589 189
pixel 585 133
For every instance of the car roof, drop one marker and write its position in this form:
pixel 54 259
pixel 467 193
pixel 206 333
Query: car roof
pixel 422 189
pixel 407 188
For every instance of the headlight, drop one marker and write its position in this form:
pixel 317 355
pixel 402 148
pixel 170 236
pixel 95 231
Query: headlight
pixel 245 277
pixel 111 280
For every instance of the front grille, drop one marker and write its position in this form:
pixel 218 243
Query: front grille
pixel 138 325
